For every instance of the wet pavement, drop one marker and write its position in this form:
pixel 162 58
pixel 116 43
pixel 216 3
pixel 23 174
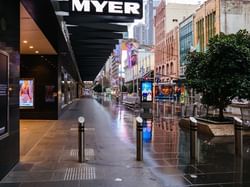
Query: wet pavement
pixel 49 152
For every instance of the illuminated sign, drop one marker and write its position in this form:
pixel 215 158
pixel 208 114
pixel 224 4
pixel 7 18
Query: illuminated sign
pixel 129 8
pixel 26 93
pixel 146 91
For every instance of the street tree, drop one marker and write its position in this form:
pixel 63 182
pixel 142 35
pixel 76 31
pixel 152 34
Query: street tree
pixel 98 88
pixel 223 71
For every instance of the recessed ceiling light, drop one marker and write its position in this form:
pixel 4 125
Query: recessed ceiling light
pixel 36 52
pixel 31 46
pixel 25 41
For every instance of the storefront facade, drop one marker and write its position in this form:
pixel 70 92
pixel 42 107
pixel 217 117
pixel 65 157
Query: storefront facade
pixel 33 65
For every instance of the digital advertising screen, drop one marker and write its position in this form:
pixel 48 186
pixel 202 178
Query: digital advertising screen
pixel 26 97
pixel 146 91
pixel 4 86
pixel 168 92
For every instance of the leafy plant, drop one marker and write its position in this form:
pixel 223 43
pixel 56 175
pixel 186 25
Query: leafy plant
pixel 223 71
pixel 98 88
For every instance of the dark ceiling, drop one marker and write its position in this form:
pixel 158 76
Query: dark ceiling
pixel 93 38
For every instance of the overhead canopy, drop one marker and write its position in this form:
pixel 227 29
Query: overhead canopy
pixel 92 37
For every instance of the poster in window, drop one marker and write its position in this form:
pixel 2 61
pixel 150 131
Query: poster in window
pixel 26 93
pixel 4 99
pixel 49 93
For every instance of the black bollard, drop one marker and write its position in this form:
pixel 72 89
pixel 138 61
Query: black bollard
pixel 193 138
pixel 139 141
pixel 238 144
pixel 81 140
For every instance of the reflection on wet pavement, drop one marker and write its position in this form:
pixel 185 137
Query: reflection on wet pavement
pixel 167 154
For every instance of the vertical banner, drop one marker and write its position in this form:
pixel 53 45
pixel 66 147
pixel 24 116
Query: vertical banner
pixel 4 84
pixel 132 50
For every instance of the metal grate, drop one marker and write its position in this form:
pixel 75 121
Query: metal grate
pixel 85 173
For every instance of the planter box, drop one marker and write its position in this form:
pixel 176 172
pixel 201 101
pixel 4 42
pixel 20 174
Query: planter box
pixel 210 129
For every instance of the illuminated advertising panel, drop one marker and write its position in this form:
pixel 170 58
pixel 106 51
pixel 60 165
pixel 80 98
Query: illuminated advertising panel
pixel 26 97
pixel 132 50
pixel 146 91
pixel 4 96
pixel 168 92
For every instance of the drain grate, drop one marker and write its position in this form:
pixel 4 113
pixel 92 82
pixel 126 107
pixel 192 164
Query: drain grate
pixel 86 173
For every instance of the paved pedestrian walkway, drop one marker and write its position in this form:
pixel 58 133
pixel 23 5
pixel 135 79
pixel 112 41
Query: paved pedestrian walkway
pixel 49 153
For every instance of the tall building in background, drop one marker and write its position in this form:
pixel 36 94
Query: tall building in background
pixel 144 33
pixel 140 33
pixel 149 22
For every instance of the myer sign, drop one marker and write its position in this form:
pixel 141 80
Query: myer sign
pixel 128 8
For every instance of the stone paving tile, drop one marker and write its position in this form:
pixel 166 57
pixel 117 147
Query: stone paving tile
pixel 15 177
pixel 23 166
pixel 52 184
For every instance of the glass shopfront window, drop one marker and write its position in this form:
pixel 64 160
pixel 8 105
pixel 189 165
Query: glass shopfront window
pixel 68 89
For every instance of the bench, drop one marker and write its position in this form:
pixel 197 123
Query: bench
pixel 131 101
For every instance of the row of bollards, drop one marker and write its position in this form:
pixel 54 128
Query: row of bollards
pixel 139 138
pixel 81 139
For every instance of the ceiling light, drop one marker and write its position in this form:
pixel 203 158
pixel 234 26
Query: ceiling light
pixel 31 46
pixel 25 41
pixel 36 52
pixel 62 13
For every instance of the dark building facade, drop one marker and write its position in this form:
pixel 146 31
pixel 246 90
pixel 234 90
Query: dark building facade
pixel 9 85
pixel 52 77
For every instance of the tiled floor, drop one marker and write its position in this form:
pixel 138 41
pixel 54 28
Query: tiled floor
pixel 49 152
